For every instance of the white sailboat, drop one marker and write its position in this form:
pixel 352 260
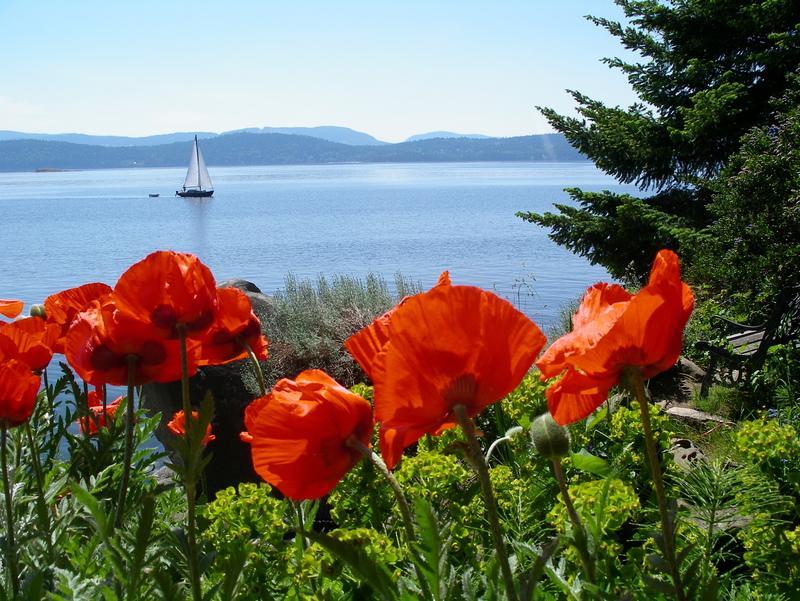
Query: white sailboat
pixel 197 182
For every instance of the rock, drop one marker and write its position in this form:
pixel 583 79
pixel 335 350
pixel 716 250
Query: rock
pixel 242 285
pixel 684 453
pixel 165 478
pixel 233 386
pixel 694 415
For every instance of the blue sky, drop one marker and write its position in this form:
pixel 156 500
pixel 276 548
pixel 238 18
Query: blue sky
pixel 391 69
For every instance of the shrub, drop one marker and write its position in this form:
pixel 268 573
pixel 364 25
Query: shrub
pixel 309 321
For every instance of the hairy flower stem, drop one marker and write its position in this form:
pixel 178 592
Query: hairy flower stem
pixel 129 422
pixel 581 540
pixel 482 470
pixel 41 504
pixel 402 502
pixel 50 400
pixel 256 367
pixel 11 547
pixel 190 476
pixel 632 379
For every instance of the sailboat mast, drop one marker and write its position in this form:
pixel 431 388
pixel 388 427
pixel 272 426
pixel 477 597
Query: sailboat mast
pixel 197 154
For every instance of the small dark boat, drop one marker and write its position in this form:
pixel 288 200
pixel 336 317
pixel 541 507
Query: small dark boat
pixel 151 195
pixel 197 183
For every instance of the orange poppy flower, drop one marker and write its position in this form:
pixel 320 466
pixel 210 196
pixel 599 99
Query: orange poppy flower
pixel 98 416
pixel 167 288
pixel 30 340
pixel 614 330
pixel 102 338
pixel 235 324
pixel 366 344
pixel 62 308
pixel 299 434
pixel 10 308
pixel 178 426
pixel 452 345
pixel 18 390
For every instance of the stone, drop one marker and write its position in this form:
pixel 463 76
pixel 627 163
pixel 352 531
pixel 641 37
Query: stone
pixel 233 386
pixel 684 453
pixel 695 415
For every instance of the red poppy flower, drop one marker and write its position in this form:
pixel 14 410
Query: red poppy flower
pixel 614 330
pixel 102 338
pixel 18 390
pixel 234 325
pixel 178 426
pixel 98 416
pixel 62 308
pixel 366 344
pixel 299 432
pixel 452 345
pixel 10 308
pixel 30 340
pixel 166 289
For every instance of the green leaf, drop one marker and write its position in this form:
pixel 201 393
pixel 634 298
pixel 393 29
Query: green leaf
pixel 591 464
pixel 91 503
pixel 366 569
pixel 596 418
pixel 140 546
pixel 430 545
pixel 234 568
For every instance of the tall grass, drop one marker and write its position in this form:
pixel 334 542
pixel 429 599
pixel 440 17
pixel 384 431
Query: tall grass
pixel 309 321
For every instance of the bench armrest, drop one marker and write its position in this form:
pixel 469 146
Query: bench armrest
pixel 737 325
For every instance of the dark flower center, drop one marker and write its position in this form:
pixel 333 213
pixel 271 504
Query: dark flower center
pixel 104 359
pixel 152 353
pixel 164 316
pixel 202 322
pixel 462 391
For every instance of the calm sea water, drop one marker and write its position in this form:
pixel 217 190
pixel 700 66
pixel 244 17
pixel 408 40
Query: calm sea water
pixel 64 229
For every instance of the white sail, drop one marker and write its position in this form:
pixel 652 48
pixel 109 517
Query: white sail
pixel 197 175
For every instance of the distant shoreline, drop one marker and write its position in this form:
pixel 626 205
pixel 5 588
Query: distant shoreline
pixel 281 149
pixel 332 163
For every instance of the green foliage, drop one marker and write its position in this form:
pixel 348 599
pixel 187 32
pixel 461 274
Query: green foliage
pixel 618 500
pixel 708 73
pixel 309 321
pixel 750 254
pixel 626 447
pixel 250 520
pixel 766 441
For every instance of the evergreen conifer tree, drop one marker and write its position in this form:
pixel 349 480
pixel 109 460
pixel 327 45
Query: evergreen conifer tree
pixel 709 72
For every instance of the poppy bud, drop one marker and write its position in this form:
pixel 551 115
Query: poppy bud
pixel 38 311
pixel 549 438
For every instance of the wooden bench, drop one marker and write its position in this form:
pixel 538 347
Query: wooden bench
pixel 746 346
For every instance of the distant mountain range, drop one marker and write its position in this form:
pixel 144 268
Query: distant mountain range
pixel 277 149
pixel 342 135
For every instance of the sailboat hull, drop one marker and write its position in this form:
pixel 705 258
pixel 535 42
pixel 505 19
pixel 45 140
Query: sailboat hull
pixel 194 193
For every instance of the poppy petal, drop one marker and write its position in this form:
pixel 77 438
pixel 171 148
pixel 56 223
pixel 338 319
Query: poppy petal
pixel 11 308
pixel 18 390
pixel 298 434
pixel 576 396
pixel 451 345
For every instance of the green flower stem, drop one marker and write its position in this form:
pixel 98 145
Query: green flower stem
pixel 190 477
pixel 632 379
pixel 11 547
pixel 402 502
pixel 256 366
pixel 581 539
pixel 41 504
pixel 51 403
pixel 129 423
pixel 482 470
